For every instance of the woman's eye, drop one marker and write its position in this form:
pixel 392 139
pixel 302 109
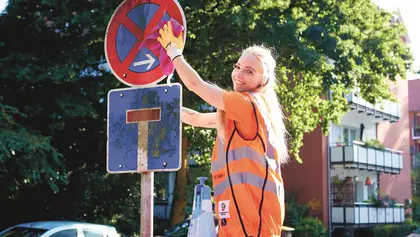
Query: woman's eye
pixel 249 71
pixel 236 66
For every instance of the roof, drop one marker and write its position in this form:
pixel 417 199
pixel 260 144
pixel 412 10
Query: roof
pixel 414 95
pixel 47 225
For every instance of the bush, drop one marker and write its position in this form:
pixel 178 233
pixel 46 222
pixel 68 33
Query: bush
pixel 375 143
pixel 310 227
pixel 416 213
pixel 416 208
pixel 294 212
pixel 298 217
pixel 394 230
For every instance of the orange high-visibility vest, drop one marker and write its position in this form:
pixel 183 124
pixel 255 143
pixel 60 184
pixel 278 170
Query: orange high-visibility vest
pixel 248 187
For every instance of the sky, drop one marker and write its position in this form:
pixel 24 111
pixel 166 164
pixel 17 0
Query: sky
pixel 410 11
pixel 3 4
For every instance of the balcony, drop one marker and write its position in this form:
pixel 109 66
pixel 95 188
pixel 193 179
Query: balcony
pixel 359 156
pixel 387 110
pixel 365 214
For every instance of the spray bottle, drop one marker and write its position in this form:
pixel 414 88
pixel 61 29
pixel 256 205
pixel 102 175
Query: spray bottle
pixel 202 221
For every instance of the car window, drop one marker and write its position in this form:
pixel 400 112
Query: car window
pixel 92 233
pixel 23 232
pixel 65 233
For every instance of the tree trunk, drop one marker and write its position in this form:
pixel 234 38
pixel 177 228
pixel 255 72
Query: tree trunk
pixel 180 196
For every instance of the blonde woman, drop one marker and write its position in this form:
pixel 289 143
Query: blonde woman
pixel 250 146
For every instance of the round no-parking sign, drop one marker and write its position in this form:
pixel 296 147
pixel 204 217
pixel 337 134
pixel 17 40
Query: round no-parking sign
pixel 132 22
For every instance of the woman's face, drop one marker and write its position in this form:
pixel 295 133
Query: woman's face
pixel 247 73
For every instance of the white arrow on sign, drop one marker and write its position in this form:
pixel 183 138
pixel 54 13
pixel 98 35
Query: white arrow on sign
pixel 149 61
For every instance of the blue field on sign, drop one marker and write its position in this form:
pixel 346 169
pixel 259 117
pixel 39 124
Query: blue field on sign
pixel 163 137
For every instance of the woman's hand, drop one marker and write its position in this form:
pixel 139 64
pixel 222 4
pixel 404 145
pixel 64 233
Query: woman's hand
pixel 173 45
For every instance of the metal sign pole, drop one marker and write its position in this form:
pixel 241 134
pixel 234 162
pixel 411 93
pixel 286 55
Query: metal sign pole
pixel 146 204
pixel 143 117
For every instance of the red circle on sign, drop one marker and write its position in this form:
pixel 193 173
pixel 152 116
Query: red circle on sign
pixel 120 65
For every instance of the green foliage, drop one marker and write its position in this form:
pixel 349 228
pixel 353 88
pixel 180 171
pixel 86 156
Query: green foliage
pixel 307 37
pixel 201 144
pixel 374 143
pixel 385 201
pixel 53 113
pixel 27 158
pixel 297 217
pixel 416 208
pixel 98 200
pixel 294 212
pixel 310 227
pixel 394 230
pixel 415 180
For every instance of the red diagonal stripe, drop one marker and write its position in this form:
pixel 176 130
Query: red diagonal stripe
pixel 132 27
pixel 154 21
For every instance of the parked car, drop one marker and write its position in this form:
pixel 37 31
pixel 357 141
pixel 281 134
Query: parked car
pixel 59 229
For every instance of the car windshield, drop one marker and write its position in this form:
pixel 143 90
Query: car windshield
pixel 23 232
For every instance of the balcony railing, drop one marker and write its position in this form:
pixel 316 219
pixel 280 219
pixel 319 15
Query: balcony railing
pixel 358 155
pixel 387 110
pixel 366 214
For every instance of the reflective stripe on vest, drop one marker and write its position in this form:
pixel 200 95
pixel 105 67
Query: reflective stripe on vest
pixel 243 153
pixel 244 178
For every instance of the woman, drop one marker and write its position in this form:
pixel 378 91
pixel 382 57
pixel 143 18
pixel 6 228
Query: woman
pixel 250 145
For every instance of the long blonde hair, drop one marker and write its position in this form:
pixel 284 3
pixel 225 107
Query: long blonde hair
pixel 265 95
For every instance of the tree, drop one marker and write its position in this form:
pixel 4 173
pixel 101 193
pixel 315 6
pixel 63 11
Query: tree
pixel 324 48
pixel 53 116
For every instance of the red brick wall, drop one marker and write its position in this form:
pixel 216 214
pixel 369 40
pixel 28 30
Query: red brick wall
pixel 397 136
pixel 308 181
pixel 414 95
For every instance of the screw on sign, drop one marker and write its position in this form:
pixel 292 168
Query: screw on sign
pixel 132 22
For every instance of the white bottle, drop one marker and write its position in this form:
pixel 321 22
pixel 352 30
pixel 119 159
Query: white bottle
pixel 202 222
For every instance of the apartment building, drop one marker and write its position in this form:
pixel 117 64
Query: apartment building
pixel 360 172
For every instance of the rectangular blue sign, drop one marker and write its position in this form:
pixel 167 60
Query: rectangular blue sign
pixel 144 122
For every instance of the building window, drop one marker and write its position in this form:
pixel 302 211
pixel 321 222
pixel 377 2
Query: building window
pixel 416 125
pixel 416 156
pixel 343 135
pixel 349 135
pixel 371 189
pixel 336 134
